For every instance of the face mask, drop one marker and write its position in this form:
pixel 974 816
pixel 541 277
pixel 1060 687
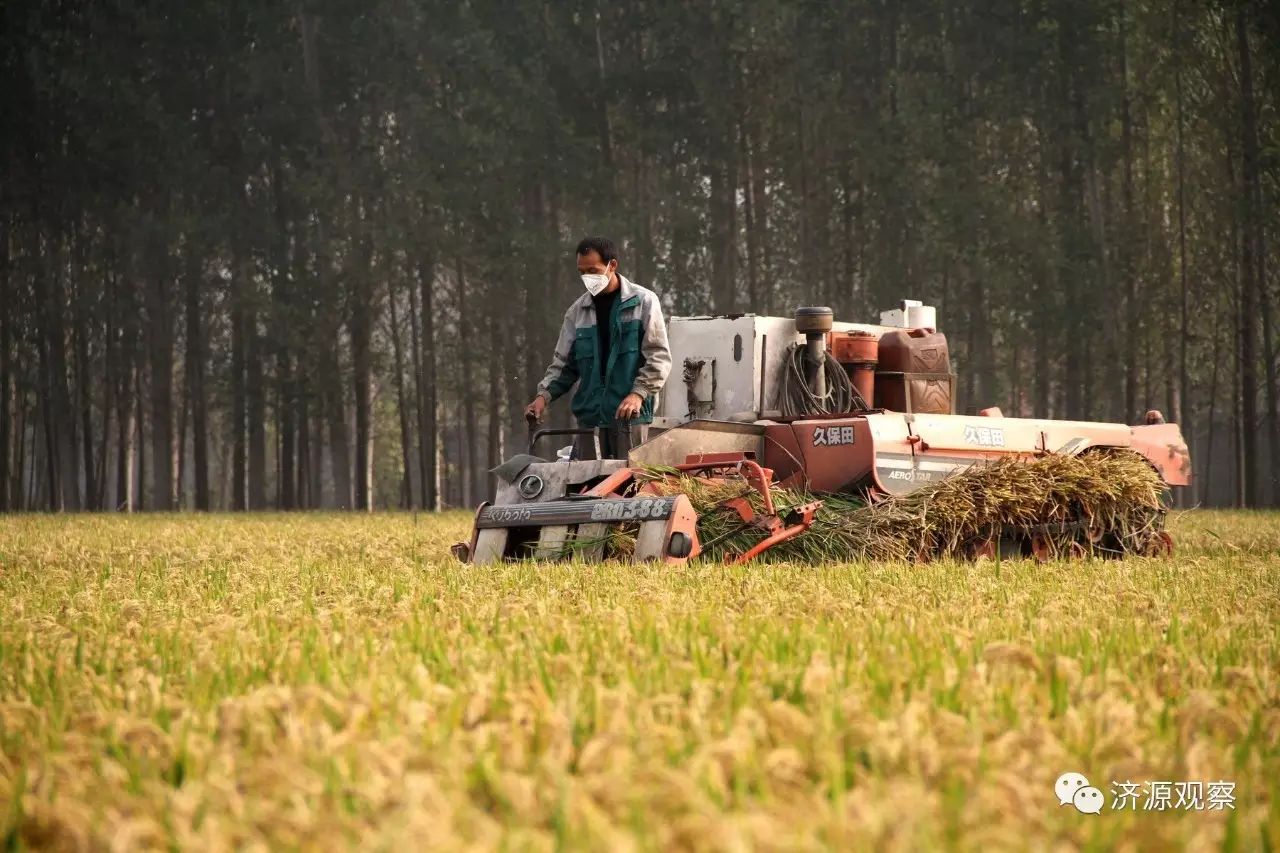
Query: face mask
pixel 595 284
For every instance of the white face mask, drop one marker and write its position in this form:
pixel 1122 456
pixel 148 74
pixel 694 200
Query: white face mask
pixel 595 284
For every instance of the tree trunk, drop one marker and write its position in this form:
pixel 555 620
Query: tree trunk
pixel 758 232
pixel 724 233
pixel 467 435
pixel 362 385
pixel 256 349
pixel 306 472
pixel 1073 229
pixel 6 300
pixel 1240 445
pixel 111 381
pixel 52 491
pixel 1183 416
pixel 1017 393
pixel 1126 242
pixel 428 427
pixel 317 455
pixel 339 438
pixel 752 212
pixel 64 485
pixel 1208 466
pixel 222 450
pixel 239 397
pixel 495 405
pixel 195 368
pixel 1273 392
pixel 286 389
pixel 602 115
pixel 282 300
pixel 402 403
pixel 984 367
pixel 21 422
pixel 334 400
pixel 256 413
pixel 849 302
pixel 1255 236
pixel 84 381
pixel 1045 310
pixel 140 488
pixel 1168 359
pixel 104 443
pixel 1249 282
pixel 160 349
pixel 180 450
pixel 128 496
pixel 419 412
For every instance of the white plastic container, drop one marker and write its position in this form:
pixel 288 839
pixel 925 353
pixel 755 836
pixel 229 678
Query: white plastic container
pixel 911 314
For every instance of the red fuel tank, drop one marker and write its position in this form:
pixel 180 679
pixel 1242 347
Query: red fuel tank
pixel 914 373
pixel 914 351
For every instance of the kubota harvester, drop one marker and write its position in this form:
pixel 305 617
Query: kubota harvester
pixel 805 404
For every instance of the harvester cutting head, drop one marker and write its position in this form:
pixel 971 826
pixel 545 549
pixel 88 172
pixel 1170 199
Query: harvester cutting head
pixel 585 509
pixel 810 406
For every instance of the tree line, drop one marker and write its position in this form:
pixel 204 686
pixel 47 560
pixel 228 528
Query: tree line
pixel 315 254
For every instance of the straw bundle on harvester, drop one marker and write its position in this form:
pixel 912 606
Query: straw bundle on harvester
pixel 1107 504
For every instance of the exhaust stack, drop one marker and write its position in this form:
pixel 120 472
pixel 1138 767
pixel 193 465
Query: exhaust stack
pixel 814 323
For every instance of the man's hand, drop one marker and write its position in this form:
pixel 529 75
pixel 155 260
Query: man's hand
pixel 629 407
pixel 533 411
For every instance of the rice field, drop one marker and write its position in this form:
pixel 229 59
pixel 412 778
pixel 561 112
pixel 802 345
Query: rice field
pixel 333 681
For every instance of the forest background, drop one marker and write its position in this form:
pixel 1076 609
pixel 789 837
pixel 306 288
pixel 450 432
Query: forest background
pixel 315 254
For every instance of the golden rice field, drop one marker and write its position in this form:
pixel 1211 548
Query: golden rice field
pixel 333 681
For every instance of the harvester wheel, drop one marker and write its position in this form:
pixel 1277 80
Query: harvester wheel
pixel 980 549
pixel 1160 545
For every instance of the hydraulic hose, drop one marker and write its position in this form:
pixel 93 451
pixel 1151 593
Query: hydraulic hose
pixel 797 399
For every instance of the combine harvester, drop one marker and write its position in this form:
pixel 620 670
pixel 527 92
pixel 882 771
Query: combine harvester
pixel 816 409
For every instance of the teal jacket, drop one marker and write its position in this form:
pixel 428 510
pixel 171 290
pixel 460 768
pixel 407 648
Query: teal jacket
pixel 639 357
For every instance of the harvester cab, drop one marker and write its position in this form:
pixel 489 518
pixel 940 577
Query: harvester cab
pixel 806 404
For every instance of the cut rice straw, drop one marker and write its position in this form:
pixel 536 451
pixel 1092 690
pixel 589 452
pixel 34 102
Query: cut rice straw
pixel 1096 503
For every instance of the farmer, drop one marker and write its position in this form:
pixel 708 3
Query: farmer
pixel 613 344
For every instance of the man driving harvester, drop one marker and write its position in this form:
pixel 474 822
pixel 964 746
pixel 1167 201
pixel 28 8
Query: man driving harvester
pixel 613 344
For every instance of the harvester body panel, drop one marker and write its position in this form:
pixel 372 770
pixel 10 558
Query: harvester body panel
pixel 892 453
